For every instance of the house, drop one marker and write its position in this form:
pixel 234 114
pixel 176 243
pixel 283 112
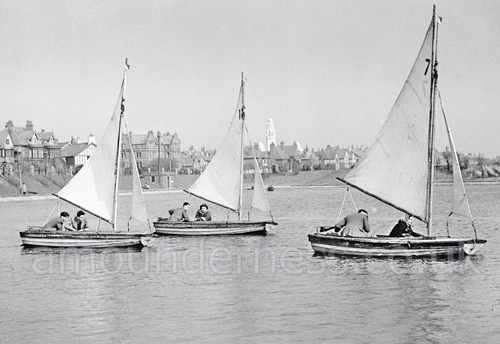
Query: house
pixel 344 158
pixel 309 160
pixel 278 159
pixel 294 153
pixel 77 153
pixel 260 155
pixel 6 148
pixel 188 166
pixel 153 150
pixel 328 159
pixel 26 146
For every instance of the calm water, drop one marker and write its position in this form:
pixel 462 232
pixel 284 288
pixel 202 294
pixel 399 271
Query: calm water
pixel 249 289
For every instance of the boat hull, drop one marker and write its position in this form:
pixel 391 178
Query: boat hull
pixel 212 227
pixel 384 246
pixel 39 237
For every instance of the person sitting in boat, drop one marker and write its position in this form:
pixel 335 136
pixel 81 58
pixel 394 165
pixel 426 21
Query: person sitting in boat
pixel 60 223
pixel 203 214
pixel 354 225
pixel 404 228
pixel 180 214
pixel 80 222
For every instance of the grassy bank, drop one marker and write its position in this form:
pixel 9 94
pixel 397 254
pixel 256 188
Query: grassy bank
pixel 46 185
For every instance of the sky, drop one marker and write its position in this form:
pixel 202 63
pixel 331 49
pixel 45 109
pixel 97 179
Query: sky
pixel 327 72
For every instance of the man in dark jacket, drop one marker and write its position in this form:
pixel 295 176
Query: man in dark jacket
pixel 403 229
pixel 60 223
pixel 179 214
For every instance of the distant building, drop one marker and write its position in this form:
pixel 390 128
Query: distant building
pixel 270 134
pixel 26 146
pixel 77 153
pixel 278 159
pixel 193 161
pixel 148 147
pixel 261 155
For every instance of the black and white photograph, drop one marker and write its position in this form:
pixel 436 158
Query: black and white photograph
pixel 282 171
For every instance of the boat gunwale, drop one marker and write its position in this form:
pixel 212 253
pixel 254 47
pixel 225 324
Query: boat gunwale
pixel 210 224
pixel 381 240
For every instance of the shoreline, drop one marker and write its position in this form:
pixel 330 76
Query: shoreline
pixel 40 197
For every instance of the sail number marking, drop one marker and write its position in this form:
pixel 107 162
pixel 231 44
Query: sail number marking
pixel 428 64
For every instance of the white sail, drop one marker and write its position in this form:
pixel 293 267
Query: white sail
pixel 260 200
pixel 395 167
pixel 220 182
pixel 93 187
pixel 139 211
pixel 460 203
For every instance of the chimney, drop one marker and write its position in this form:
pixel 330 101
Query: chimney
pixel 91 139
pixel 78 140
pixel 29 125
pixel 73 140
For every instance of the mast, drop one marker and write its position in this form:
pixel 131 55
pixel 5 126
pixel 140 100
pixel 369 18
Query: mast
pixel 118 151
pixel 430 154
pixel 242 117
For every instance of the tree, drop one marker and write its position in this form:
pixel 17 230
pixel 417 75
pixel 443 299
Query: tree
pixel 463 161
pixel 481 160
pixel 448 157
pixel 59 165
pixel 77 169
pixel 21 172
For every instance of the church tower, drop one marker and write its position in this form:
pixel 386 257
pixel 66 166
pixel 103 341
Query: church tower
pixel 270 134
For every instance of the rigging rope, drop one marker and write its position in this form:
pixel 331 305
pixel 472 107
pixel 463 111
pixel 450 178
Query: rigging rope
pixel 343 202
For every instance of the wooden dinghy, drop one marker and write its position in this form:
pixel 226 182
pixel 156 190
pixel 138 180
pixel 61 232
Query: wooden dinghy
pixel 212 227
pixel 384 246
pixel 36 236
pixel 95 189
pixel 398 170
pixel 221 183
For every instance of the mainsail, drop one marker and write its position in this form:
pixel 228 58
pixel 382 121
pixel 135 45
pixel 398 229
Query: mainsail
pixel 220 183
pixel 93 187
pixel 395 168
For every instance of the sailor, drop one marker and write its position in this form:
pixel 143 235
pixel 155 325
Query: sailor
pixel 60 223
pixel 203 214
pixel 80 222
pixel 354 225
pixel 404 228
pixel 180 214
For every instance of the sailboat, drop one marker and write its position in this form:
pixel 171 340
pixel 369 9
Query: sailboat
pixel 398 170
pixel 94 189
pixel 221 183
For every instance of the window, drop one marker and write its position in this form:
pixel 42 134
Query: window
pixel 7 142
